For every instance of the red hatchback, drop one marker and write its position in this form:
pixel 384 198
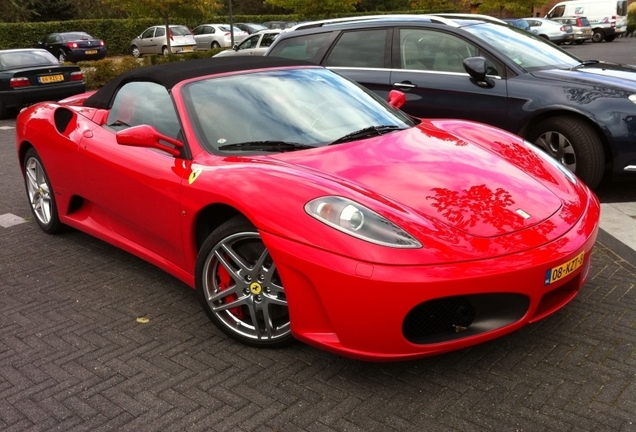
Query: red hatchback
pixel 300 206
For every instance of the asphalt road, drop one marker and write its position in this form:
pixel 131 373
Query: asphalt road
pixel 621 50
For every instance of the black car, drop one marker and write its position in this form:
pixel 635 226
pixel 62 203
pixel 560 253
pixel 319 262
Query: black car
pixel 28 76
pixel 250 28
pixel 74 46
pixel 581 112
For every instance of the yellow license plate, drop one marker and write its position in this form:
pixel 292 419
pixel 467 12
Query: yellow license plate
pixel 51 79
pixel 559 272
pixel 188 48
pixel 91 52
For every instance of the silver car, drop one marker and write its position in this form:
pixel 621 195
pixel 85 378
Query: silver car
pixel 153 41
pixel 580 25
pixel 210 36
pixel 553 31
pixel 255 44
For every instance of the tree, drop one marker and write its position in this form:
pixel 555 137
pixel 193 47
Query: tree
pixel 14 10
pixel 51 10
pixel 431 5
pixel 517 7
pixel 164 9
pixel 312 8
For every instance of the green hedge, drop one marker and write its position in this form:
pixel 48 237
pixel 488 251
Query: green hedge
pixel 117 33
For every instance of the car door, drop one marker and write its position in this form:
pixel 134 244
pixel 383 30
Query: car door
pixel 248 45
pixel 199 35
pixel 428 68
pixel 147 41
pixel 52 43
pixel 136 189
pixel 363 56
pixel 266 41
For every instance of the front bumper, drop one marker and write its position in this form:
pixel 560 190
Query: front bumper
pixel 359 309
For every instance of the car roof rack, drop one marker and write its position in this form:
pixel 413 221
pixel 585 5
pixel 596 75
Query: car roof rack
pixel 479 17
pixel 315 24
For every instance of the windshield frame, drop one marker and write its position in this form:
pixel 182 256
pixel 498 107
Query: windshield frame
pixel 277 108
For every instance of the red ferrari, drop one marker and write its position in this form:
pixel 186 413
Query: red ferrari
pixel 300 206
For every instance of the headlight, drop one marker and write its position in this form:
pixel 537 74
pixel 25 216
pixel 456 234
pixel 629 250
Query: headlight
pixel 632 98
pixel 358 221
pixel 552 161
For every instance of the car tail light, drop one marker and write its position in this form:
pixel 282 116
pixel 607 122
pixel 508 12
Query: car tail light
pixel 101 43
pixel 19 82
pixel 226 34
pixel 613 22
pixel 71 45
pixel 77 76
pixel 170 34
pixel 579 23
pixel 563 29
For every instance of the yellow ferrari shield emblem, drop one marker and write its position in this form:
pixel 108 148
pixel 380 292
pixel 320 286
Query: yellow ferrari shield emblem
pixel 194 174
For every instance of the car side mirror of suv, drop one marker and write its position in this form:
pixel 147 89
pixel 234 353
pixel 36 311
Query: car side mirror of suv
pixel 477 68
pixel 148 136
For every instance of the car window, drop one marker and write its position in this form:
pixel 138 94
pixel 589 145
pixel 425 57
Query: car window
pixel 76 36
pixel 160 31
pixel 148 33
pixel 154 108
pixel 433 50
pixel 363 48
pixel 268 39
pixel 180 31
pixel 558 11
pixel 209 30
pixel 198 30
pixel 301 47
pixel 50 38
pixel 249 43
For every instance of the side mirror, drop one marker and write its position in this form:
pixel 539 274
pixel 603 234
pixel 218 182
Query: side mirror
pixel 235 47
pixel 396 98
pixel 477 68
pixel 149 137
pixel 40 43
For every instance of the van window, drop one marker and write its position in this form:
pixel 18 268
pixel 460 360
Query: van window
pixel 621 7
pixel 557 12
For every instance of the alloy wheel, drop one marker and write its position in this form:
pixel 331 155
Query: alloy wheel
pixel 559 147
pixel 39 191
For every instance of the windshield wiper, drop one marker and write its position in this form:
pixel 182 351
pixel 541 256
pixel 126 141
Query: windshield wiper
pixel 273 146
pixel 366 132
pixel 586 63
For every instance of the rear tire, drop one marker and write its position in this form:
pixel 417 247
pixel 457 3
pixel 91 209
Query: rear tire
pixel 215 45
pixel 575 144
pixel 61 57
pixel 598 36
pixel 135 51
pixel 164 51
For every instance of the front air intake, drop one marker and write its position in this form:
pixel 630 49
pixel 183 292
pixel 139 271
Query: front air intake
pixel 452 318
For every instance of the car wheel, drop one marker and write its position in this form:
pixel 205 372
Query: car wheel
pixel 574 144
pixel 40 193
pixel 135 51
pixel 610 38
pixel 239 287
pixel 215 45
pixel 61 57
pixel 164 51
pixel 579 42
pixel 598 36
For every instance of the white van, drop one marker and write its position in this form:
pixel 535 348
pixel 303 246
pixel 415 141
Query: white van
pixel 607 17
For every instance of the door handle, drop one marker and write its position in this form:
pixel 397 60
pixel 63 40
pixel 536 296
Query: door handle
pixel 406 85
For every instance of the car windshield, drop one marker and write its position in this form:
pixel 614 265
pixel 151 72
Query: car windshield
pixel 286 109
pixel 18 59
pixel 180 31
pixel 527 50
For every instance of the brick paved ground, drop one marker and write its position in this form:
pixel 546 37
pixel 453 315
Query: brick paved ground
pixel 73 356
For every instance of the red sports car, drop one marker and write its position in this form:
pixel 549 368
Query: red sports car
pixel 300 206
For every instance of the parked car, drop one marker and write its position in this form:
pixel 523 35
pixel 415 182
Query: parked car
pixel 581 27
pixel 608 18
pixel 292 200
pixel 491 73
pixel 28 76
pixel 280 25
pixel 251 28
pixel 73 46
pixel 256 44
pixel 551 30
pixel 211 36
pixel 153 41
pixel 519 23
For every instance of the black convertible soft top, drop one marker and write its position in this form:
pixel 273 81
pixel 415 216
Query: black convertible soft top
pixel 168 75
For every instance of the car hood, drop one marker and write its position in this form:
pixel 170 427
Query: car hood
pixel 599 74
pixel 438 176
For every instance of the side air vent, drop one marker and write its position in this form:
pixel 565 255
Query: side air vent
pixel 62 118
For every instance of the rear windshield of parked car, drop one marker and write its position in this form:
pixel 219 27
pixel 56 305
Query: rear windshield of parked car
pixel 180 31
pixel 16 59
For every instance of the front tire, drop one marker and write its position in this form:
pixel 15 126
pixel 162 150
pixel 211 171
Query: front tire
pixel 575 144
pixel 239 287
pixel 40 193
pixel 135 51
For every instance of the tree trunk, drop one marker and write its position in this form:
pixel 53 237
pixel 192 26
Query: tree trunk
pixel 166 21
